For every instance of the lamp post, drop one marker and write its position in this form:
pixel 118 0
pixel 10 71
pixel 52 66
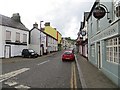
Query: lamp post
pixel 40 35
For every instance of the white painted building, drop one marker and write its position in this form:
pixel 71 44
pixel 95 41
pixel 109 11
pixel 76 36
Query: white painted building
pixel 14 36
pixel 41 42
pixel 84 33
pixel 68 43
pixel 52 44
pixel 37 40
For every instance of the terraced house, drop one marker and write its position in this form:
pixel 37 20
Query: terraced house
pixel 104 38
pixel 55 43
pixel 44 40
pixel 14 36
pixel 38 40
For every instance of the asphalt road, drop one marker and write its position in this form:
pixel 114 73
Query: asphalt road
pixel 43 72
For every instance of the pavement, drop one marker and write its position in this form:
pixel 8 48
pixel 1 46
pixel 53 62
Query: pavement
pixel 90 76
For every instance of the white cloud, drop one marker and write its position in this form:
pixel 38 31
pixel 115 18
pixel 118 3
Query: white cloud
pixel 65 15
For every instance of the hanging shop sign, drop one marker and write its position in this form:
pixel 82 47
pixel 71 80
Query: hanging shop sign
pixel 99 12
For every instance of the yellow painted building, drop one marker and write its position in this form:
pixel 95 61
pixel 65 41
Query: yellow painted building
pixel 51 31
pixel 54 33
pixel 59 38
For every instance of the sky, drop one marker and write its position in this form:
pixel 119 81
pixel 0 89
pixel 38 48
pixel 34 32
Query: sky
pixel 64 15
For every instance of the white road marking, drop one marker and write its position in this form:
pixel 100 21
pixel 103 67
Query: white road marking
pixel 11 83
pixel 22 86
pixel 43 62
pixel 12 74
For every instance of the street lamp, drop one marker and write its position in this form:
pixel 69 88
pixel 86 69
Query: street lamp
pixel 40 35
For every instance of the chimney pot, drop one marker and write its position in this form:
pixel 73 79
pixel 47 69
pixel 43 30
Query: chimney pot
pixel 35 25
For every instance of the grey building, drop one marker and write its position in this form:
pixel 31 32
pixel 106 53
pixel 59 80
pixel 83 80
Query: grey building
pixel 104 38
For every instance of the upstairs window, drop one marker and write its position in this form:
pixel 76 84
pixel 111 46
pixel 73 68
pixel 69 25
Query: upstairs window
pixel 117 9
pixel 8 35
pixel 24 38
pixel 17 37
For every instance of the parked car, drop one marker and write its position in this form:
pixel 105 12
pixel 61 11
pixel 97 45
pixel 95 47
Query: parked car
pixel 68 55
pixel 29 53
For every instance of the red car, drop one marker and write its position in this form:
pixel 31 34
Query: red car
pixel 68 55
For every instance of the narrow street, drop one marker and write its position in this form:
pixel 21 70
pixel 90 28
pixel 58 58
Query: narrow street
pixel 43 72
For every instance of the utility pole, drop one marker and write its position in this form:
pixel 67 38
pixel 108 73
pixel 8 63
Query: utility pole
pixel 40 36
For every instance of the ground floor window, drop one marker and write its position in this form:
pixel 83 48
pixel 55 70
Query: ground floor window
pixel 113 50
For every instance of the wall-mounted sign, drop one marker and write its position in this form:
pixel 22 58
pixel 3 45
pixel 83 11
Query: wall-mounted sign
pixel 83 33
pixel 99 12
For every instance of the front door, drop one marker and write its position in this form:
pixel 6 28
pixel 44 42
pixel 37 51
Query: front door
pixel 99 56
pixel 7 51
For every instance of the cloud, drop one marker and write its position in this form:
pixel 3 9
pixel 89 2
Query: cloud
pixel 65 15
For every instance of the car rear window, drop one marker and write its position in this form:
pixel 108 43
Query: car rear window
pixel 68 52
pixel 31 50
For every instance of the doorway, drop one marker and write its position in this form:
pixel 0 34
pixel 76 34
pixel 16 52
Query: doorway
pixel 99 56
pixel 7 51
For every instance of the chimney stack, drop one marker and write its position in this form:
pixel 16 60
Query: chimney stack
pixel 35 25
pixel 47 24
pixel 16 17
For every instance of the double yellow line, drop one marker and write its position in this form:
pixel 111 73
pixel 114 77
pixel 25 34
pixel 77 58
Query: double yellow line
pixel 73 82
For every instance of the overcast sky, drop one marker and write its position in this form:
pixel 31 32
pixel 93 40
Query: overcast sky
pixel 65 15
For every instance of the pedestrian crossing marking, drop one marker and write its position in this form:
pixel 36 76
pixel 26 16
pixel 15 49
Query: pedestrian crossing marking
pixel 22 86
pixel 11 83
pixel 12 74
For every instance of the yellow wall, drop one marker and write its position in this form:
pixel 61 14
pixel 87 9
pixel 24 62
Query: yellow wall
pixel 59 38
pixel 51 31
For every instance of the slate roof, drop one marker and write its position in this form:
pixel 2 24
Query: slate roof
pixel 7 21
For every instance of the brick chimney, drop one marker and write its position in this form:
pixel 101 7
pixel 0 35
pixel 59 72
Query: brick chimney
pixel 35 25
pixel 16 17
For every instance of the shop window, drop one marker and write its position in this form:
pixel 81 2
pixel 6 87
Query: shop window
pixel 113 50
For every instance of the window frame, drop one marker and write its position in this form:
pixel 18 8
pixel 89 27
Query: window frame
pixel 8 38
pixel 24 38
pixel 17 37
pixel 113 50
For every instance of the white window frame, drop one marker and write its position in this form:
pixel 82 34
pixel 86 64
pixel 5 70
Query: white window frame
pixel 24 38
pixel 112 50
pixel 8 38
pixel 116 4
pixel 17 37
